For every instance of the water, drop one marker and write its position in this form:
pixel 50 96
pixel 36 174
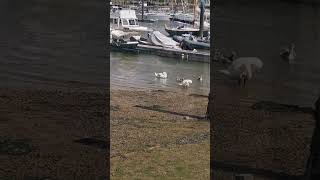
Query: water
pixel 129 71
pixel 262 29
pixel 136 71
pixel 56 44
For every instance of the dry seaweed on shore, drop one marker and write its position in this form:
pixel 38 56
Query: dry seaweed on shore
pixel 114 108
pixel 199 95
pixel 195 138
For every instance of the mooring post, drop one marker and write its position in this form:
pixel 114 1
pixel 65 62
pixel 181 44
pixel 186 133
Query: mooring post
pixel 202 9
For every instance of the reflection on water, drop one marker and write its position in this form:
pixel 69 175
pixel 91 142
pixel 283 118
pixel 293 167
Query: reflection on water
pixel 133 71
pixel 262 29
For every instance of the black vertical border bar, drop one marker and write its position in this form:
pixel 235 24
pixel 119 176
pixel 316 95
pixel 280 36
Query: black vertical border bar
pixel 211 94
pixel 107 109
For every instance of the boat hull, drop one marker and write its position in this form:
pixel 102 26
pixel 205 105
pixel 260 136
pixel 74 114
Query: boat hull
pixel 196 45
pixel 128 46
pixel 191 44
pixel 185 18
pixel 173 32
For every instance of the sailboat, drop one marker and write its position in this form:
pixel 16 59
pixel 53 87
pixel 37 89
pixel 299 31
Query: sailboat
pixel 189 18
pixel 180 30
pixel 183 16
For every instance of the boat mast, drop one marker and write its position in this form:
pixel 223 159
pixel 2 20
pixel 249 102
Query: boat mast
pixel 202 9
pixel 194 11
pixel 142 10
pixel 182 3
pixel 171 5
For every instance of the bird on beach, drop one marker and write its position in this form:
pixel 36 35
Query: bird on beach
pixel 186 83
pixel 289 53
pixel 226 59
pixel 243 78
pixel 242 69
pixel 240 77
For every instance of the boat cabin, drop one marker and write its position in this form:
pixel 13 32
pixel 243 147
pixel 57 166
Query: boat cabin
pixel 128 18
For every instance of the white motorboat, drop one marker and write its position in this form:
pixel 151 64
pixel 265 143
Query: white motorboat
pixel 129 19
pixel 119 34
pixel 126 20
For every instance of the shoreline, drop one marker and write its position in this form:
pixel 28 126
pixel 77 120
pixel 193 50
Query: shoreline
pixel 164 134
pixel 53 125
pixel 145 125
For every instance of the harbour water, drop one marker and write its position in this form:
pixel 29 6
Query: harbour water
pixel 131 71
pixel 136 71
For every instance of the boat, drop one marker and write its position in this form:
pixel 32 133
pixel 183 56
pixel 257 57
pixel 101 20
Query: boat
pixel 158 39
pixel 123 45
pixel 193 19
pixel 177 38
pixel 145 40
pixel 182 17
pixel 184 30
pixel 127 21
pixel 193 44
pixel 121 40
pixel 165 40
pixel 196 24
pixel 190 43
pixel 154 41
pixel 119 34
pixel 206 25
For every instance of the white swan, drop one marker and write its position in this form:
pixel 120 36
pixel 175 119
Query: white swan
pixel 242 69
pixel 162 75
pixel 186 83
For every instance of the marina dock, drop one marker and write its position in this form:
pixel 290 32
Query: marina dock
pixel 172 53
